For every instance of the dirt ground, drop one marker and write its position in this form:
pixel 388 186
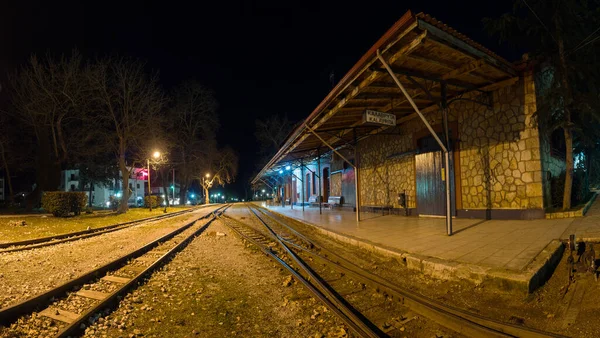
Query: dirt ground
pixel 218 287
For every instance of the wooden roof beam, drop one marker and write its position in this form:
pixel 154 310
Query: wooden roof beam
pixel 449 66
pixel 408 72
pixel 403 52
pixel 465 69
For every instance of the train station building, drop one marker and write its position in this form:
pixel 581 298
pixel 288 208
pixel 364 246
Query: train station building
pixel 427 123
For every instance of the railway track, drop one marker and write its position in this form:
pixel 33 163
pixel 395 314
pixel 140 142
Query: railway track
pixel 65 310
pixel 73 236
pixel 458 320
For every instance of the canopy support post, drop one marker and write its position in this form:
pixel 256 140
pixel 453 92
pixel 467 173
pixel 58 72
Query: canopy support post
pixel 319 169
pixel 343 158
pixel 435 136
pixel 302 174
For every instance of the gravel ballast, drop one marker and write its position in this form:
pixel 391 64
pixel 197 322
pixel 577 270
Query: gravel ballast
pixel 219 287
pixel 27 273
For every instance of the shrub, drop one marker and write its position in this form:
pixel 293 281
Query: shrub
pixel 62 203
pixel 156 201
pixel 89 210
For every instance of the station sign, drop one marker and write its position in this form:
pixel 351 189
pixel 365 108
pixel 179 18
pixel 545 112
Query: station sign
pixel 377 117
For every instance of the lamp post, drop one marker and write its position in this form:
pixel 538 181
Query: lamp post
pixel 205 186
pixel 156 155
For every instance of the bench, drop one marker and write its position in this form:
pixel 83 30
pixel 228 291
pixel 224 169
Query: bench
pixel 313 200
pixel 383 208
pixel 335 201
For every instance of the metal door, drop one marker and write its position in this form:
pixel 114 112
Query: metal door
pixel 431 188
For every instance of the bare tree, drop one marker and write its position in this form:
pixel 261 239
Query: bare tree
pixel 5 146
pixel 270 133
pixel 128 104
pixel 221 167
pixel 194 127
pixel 50 98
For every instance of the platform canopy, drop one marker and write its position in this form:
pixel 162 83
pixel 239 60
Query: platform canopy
pixel 423 53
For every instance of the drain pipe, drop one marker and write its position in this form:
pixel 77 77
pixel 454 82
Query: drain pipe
pixel 434 134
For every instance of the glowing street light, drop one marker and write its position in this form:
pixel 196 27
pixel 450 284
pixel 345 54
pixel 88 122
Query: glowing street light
pixel 288 167
pixel 156 155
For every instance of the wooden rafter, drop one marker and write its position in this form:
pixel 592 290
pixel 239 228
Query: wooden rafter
pixel 463 70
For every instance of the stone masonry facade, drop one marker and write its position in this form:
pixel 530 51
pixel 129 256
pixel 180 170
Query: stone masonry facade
pixel 499 162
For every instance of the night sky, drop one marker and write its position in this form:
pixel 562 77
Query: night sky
pixel 260 57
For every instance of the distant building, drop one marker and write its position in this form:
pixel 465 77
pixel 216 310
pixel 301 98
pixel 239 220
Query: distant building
pixel 101 193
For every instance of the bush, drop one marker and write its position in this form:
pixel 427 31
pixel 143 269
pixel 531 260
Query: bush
pixel 89 210
pixel 62 203
pixel 156 201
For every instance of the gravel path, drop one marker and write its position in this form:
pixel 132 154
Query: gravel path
pixel 219 287
pixel 28 273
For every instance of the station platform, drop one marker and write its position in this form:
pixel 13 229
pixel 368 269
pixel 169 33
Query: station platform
pixel 518 254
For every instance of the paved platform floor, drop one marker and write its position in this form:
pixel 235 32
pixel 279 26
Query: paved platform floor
pixel 505 244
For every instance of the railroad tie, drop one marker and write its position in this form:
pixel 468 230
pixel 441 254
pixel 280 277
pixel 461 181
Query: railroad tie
pixel 92 294
pixel 60 315
pixel 135 268
pixel 116 279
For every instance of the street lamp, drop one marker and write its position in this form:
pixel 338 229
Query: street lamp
pixel 156 155
pixel 205 188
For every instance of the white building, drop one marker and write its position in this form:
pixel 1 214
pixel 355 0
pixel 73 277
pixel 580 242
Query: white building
pixel 101 193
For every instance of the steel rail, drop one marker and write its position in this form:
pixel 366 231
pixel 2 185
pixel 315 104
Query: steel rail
pixel 75 327
pixel 73 236
pixel 11 313
pixel 315 291
pixel 465 322
pixel 360 326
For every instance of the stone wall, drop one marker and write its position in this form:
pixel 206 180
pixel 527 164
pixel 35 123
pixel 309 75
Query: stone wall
pixel 387 168
pixel 500 151
pixel 499 154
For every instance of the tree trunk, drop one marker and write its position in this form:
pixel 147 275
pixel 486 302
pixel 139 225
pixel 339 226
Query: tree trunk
pixel 125 177
pixel 183 189
pixel 567 127
pixel 166 191
pixel 206 199
pixel 91 192
pixel 11 196
pixel 568 170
